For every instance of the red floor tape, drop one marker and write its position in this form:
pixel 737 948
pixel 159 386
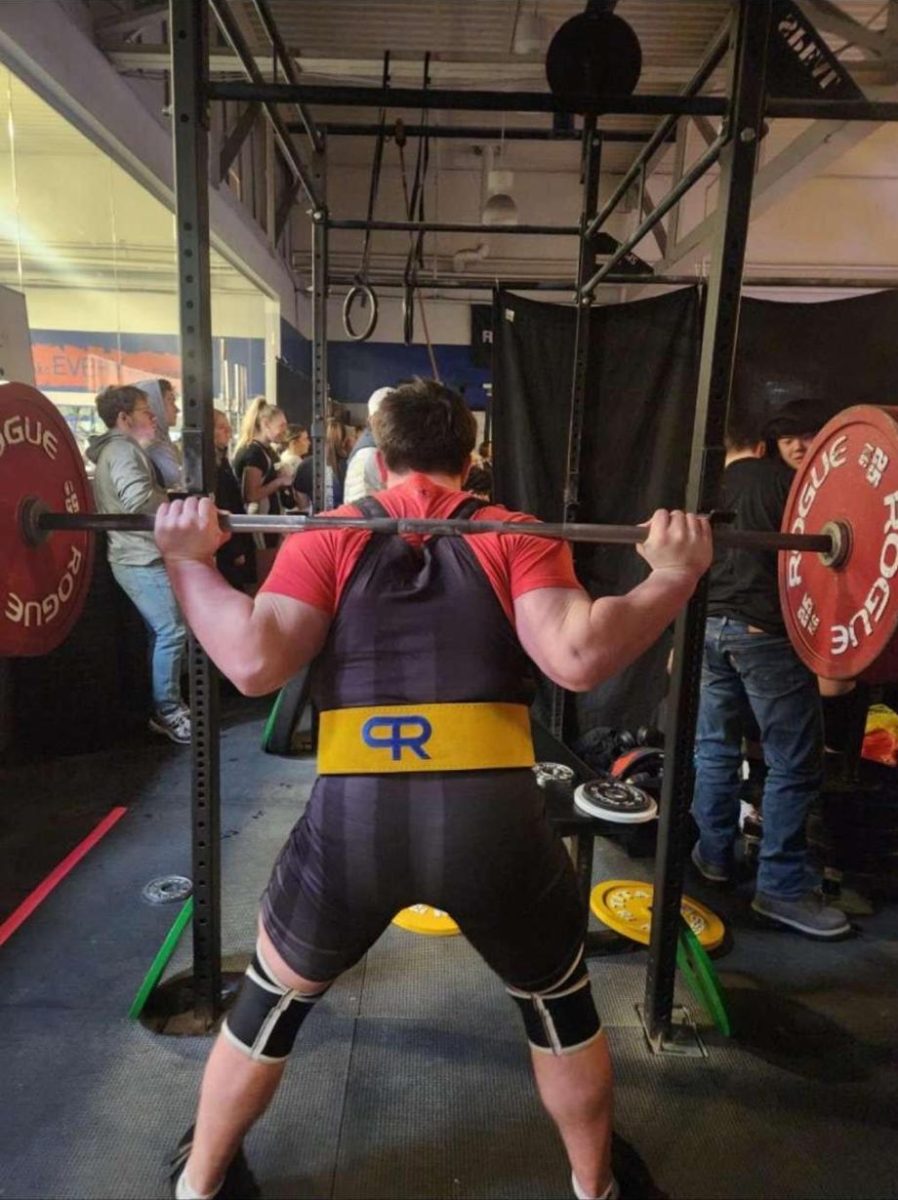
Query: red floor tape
pixel 56 876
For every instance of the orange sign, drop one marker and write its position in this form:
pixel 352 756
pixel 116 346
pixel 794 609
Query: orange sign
pixel 90 368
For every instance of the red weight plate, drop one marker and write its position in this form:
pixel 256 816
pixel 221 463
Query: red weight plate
pixel 42 588
pixel 842 621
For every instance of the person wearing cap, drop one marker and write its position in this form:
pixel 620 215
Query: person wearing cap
pixel 793 428
pixel 363 474
pixel 749 665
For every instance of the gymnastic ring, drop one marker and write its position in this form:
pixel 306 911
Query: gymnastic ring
pixel 408 314
pixel 368 296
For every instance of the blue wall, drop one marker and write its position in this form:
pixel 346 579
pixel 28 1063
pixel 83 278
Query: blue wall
pixel 356 369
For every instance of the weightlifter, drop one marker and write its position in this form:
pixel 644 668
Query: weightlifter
pixel 425 791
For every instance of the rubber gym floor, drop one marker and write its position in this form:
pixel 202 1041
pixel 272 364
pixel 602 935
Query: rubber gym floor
pixel 412 1078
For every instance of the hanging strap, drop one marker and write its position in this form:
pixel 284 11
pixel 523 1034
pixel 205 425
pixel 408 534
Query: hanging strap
pixel 361 289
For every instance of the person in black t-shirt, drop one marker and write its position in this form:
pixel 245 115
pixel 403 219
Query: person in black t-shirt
pixel 256 462
pixel 749 663
pixel 236 559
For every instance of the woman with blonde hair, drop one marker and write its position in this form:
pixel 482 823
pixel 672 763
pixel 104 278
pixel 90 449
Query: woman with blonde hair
pixel 237 557
pixel 255 463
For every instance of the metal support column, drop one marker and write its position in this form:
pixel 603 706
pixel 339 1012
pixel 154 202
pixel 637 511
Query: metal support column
pixel 190 71
pixel 592 164
pixel 320 237
pixel 747 89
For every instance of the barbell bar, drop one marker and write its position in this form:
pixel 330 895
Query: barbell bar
pixel 37 522
pixel 838 570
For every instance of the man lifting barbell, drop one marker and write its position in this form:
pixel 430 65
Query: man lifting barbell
pixel 840 534
pixel 425 789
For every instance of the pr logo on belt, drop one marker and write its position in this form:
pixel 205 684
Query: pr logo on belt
pixel 397 733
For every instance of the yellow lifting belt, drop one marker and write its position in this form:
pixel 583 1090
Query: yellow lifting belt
pixel 424 737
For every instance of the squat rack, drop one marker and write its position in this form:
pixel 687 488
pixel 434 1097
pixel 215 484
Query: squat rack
pixel 744 109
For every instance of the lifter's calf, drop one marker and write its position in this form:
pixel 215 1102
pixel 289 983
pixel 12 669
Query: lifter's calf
pixel 237 1088
pixel 576 1090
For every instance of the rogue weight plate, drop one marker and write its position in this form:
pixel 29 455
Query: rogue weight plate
pixel 549 772
pixel 625 905
pixel 614 800
pixel 44 585
pixel 842 619
pixel 421 918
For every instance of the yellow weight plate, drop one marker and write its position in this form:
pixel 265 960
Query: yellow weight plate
pixel 625 905
pixel 421 918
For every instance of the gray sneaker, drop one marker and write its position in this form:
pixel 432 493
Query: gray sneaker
pixel 808 914
pixel 710 871
pixel 175 726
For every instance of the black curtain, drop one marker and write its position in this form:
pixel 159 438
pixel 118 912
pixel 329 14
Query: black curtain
pixel 637 432
pixel 643 365
pixel 533 351
pixel 641 384
pixel 835 353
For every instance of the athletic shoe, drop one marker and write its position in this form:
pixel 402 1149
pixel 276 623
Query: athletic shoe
pixel 634 1180
pixel 238 1184
pixel 175 726
pixel 809 914
pixel 710 871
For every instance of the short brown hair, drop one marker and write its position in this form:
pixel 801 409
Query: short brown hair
pixel 115 400
pixel 424 426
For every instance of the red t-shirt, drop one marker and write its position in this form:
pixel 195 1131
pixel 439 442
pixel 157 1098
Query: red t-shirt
pixel 314 566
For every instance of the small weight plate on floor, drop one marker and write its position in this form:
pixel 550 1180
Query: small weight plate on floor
pixel 625 905
pixel 613 800
pixel 45 579
pixel 167 889
pixel 421 918
pixel 549 772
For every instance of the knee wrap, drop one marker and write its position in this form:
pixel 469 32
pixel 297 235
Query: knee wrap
pixel 266 1015
pixel 563 1018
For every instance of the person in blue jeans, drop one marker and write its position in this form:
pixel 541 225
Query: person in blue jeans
pixel 125 482
pixel 749 666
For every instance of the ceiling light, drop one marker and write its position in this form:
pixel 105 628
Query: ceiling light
pixel 500 208
pixel 528 33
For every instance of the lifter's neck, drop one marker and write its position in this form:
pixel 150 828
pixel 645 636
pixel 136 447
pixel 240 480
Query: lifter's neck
pixel 452 482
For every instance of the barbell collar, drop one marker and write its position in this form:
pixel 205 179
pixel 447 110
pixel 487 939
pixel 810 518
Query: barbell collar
pixel 44 522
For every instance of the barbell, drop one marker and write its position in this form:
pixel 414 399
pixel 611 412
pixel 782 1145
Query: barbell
pixel 840 535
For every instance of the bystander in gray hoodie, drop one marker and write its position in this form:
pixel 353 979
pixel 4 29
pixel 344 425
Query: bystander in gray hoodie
pixel 125 483
pixel 162 451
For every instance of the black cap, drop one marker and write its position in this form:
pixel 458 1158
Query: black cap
pixel 795 417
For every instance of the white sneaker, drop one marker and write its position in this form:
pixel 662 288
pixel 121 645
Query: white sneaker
pixel 175 726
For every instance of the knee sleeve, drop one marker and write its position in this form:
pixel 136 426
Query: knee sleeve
pixel 266 1015
pixel 563 1018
